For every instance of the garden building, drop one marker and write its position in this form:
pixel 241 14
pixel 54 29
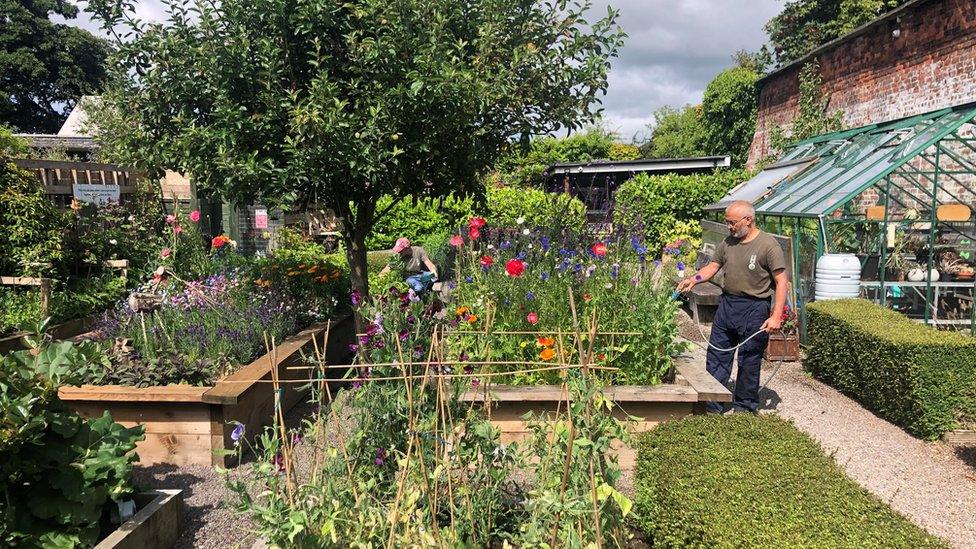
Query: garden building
pixel 899 195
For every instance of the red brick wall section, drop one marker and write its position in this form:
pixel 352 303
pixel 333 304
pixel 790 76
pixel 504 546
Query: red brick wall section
pixel 876 77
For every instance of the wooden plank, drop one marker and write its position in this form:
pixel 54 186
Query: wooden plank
pixel 229 389
pixel 67 165
pixel 157 524
pixel 175 449
pixel 707 387
pixel 176 418
pixel 164 393
pixel 23 281
pixel 960 436
pixel 618 393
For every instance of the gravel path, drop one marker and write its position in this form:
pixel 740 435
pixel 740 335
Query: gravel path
pixel 933 484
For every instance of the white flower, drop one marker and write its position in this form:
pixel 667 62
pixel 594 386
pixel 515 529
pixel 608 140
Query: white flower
pixel 113 242
pixel 491 246
pixel 525 232
pixel 520 221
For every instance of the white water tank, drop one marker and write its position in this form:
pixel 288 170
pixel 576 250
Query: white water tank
pixel 838 277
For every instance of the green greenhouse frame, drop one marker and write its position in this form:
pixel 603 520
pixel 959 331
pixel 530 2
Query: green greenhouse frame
pixel 880 191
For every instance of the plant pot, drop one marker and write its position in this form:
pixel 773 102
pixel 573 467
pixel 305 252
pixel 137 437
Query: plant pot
pixel 785 347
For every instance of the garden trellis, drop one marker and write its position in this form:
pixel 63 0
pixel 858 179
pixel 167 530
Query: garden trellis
pixel 881 191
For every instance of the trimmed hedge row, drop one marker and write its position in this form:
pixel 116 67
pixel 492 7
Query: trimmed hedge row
pixel 917 377
pixel 755 481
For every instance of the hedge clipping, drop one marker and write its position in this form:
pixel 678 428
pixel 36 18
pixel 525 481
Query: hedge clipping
pixel 755 481
pixel 917 377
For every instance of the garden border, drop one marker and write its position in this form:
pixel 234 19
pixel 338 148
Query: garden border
pixel 64 330
pixel 651 404
pixel 156 525
pixel 187 425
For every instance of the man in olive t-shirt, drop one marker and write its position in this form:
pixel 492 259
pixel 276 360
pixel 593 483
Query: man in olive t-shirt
pixel 755 271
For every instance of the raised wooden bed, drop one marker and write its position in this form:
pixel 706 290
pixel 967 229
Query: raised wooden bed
pixel 156 525
pixel 653 404
pixel 64 330
pixel 185 425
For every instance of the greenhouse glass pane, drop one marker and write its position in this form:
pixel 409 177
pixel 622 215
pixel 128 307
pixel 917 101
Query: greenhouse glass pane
pixel 755 188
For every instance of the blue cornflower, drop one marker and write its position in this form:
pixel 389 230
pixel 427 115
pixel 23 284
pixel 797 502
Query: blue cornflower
pixel 615 271
pixel 521 255
pixel 529 295
pixel 544 276
pixel 468 279
pixel 545 243
pixel 505 245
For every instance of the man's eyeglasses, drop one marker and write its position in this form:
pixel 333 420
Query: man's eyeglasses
pixel 731 223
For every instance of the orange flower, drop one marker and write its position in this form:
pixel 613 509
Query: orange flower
pixel 335 274
pixel 546 342
pixel 547 354
pixel 462 310
pixel 313 268
pixel 472 319
pixel 587 297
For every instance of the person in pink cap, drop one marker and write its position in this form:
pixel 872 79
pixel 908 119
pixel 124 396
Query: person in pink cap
pixel 421 271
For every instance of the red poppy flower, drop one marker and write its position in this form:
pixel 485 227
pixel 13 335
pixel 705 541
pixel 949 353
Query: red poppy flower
pixel 486 261
pixel 515 267
pixel 599 249
pixel 476 222
pixel 474 233
pixel 457 241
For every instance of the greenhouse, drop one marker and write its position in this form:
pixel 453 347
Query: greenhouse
pixel 898 194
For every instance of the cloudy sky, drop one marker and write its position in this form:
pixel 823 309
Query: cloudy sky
pixel 674 49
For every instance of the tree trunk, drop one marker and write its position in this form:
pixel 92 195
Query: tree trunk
pixel 355 228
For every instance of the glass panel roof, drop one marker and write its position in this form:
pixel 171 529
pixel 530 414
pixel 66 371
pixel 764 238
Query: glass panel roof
pixel 847 163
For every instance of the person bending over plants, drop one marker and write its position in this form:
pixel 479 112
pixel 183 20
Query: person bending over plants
pixel 420 271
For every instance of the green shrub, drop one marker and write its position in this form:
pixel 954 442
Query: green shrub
pixel 755 481
pixel 506 205
pixel 31 226
pixel 728 113
pixel 654 205
pixel 58 472
pixel 416 220
pixel 917 377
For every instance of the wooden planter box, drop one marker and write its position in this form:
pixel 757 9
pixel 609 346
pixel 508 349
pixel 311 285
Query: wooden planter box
pixel 65 330
pixel 156 525
pixel 185 424
pixel 783 347
pixel 652 404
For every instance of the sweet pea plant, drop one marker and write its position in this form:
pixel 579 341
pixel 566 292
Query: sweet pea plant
pixel 515 283
pixel 401 460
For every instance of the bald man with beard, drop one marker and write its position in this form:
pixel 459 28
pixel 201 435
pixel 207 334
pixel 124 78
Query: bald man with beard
pixel 753 297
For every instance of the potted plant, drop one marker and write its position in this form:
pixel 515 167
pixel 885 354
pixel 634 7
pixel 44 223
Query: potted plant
pixel 785 344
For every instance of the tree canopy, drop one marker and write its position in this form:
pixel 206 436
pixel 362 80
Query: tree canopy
pixel 804 25
pixel 45 67
pixel 676 133
pixel 343 102
pixel 728 114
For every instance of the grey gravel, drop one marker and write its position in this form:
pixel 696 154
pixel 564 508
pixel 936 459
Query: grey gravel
pixel 931 483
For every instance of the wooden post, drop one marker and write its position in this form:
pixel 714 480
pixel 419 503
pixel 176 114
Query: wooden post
pixel 45 295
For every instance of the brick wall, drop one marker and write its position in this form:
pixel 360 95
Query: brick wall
pixel 876 77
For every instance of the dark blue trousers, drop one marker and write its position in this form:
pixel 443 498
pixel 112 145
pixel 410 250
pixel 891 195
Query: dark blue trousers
pixel 737 318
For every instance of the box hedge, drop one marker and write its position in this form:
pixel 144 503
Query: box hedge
pixel 915 376
pixel 755 481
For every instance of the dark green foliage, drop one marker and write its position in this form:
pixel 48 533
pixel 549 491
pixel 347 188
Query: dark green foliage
pixel 728 114
pixel 755 481
pixel 417 219
pixel 666 207
pixel 676 133
pixel 536 208
pixel 57 471
pixel 917 377
pixel 804 25
pixel 32 226
pixel 45 67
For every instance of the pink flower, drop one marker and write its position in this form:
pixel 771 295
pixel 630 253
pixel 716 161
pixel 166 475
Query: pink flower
pixel 170 219
pixel 165 253
pixel 474 233
pixel 195 216
pixel 476 222
pixel 457 241
pixel 532 317
pixel 177 229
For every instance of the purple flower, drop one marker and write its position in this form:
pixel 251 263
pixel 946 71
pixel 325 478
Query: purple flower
pixel 412 295
pixel 529 296
pixel 404 335
pixel 296 439
pixel 505 245
pixel 475 382
pixel 657 262
pixel 237 433
pixel 468 279
pixel 394 291
pixel 279 463
pixel 356 298
pixel 364 340
pixel 410 318
pixel 452 284
pixel 379 344
pixel 544 276
pixel 353 347
pixel 357 384
pixel 681 266
pixel 463 357
pixel 545 243
pixel 468 369
pixel 380 456
pixel 521 255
